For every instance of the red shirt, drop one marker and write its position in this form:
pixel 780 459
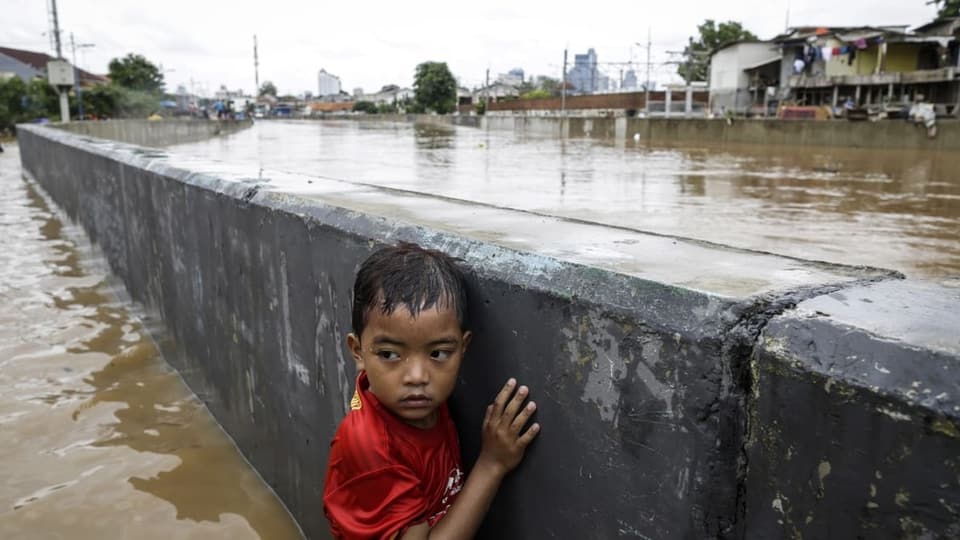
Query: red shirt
pixel 385 475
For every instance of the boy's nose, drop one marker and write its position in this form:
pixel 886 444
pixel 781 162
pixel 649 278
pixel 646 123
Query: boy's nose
pixel 416 372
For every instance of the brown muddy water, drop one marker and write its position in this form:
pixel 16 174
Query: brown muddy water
pixel 100 437
pixel 888 208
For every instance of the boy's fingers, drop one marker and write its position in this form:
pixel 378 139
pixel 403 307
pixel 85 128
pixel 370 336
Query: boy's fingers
pixel 501 400
pixel 522 417
pixel 528 436
pixel 487 415
pixel 511 410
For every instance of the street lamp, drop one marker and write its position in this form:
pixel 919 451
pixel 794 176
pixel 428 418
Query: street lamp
pixel 646 84
pixel 76 75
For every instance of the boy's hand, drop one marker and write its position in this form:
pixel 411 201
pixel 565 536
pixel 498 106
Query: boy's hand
pixel 503 442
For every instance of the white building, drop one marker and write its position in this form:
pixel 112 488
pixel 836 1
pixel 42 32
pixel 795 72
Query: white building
pixel 329 84
pixel 495 92
pixel 730 68
pixel 390 93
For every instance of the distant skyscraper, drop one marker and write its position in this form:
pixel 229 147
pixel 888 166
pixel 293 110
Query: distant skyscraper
pixel 514 77
pixel 630 80
pixel 584 76
pixel 329 84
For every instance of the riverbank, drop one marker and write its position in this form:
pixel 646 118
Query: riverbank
pixel 824 133
pixel 101 437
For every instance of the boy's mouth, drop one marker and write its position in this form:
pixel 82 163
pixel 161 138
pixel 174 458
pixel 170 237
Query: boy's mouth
pixel 416 401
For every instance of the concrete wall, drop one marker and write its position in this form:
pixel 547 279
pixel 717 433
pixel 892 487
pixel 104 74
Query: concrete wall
pixel 855 423
pixel 623 101
pixel 650 392
pixel 883 134
pixel 155 133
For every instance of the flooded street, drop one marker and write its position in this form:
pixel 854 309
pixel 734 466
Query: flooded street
pixel 101 438
pixel 889 208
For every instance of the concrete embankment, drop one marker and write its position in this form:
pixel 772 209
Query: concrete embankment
pixel 155 133
pixel 693 131
pixel 687 390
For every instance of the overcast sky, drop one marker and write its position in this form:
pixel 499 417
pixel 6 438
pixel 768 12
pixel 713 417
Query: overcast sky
pixel 371 43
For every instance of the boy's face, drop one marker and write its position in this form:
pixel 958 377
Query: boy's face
pixel 411 363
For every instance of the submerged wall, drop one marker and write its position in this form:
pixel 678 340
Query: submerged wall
pixel 884 134
pixel 672 406
pixel 155 133
pixel 843 133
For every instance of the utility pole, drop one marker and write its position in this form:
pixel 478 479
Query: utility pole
pixel 256 69
pixel 486 91
pixel 56 27
pixel 64 101
pixel 563 87
pixel 646 99
pixel 77 89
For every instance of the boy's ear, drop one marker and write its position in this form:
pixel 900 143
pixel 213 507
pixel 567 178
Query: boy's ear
pixel 353 343
pixel 467 336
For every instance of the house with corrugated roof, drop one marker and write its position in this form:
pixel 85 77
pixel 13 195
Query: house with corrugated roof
pixel 881 68
pixel 872 66
pixel 29 65
pixel 741 73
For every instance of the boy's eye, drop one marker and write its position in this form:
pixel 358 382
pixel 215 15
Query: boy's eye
pixel 441 355
pixel 388 355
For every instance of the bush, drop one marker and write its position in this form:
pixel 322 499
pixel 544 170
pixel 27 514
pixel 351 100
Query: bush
pixel 26 102
pixel 536 94
pixel 387 108
pixel 368 107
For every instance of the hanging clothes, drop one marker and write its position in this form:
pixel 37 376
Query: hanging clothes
pixel 798 66
pixel 837 51
pixel 826 53
pixel 861 44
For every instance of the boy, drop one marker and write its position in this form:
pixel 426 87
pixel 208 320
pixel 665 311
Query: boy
pixel 394 469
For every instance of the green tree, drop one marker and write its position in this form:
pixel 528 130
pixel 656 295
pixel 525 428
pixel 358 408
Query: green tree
pixel 26 102
pixel 113 101
pixel 536 94
pixel 13 94
pixel 368 107
pixel 947 8
pixel 135 72
pixel 387 108
pixel 268 89
pixel 549 85
pixel 696 63
pixel 43 99
pixel 101 100
pixel 434 88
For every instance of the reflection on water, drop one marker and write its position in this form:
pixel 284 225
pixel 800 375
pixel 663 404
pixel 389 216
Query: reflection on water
pixel 101 438
pixel 890 208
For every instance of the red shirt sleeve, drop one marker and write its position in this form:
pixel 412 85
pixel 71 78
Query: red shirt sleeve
pixel 376 505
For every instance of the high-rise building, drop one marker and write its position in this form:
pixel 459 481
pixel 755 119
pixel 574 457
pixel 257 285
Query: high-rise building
pixel 584 75
pixel 329 84
pixel 630 80
pixel 514 77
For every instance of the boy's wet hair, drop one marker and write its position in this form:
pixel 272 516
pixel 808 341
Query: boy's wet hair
pixel 410 276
